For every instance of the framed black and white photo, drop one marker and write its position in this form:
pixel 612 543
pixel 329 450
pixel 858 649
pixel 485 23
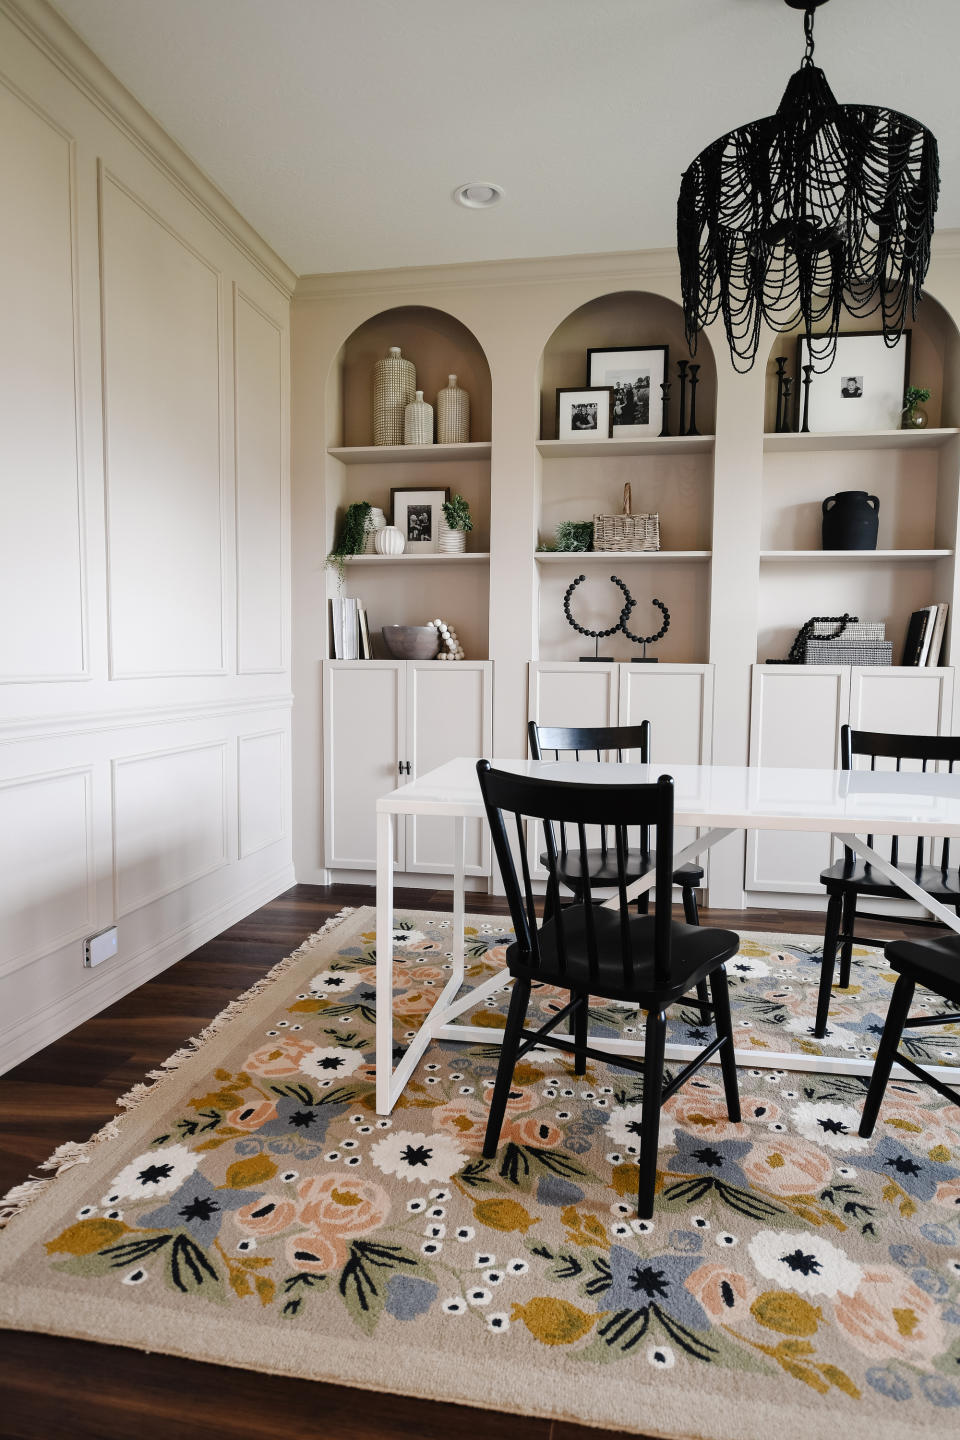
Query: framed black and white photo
pixel 585 414
pixel 416 514
pixel 635 374
pixel 862 390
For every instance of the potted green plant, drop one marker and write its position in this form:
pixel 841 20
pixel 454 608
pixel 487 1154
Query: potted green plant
pixel 352 535
pixel 456 522
pixel 914 398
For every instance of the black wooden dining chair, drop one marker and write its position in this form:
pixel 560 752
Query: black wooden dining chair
pixel 646 960
pixel 549 742
pixel 852 877
pixel 935 964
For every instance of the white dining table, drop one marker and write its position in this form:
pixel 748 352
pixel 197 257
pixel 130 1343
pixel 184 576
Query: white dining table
pixel 717 800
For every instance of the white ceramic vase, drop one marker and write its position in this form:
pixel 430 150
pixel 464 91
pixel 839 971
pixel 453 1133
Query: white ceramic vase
pixel 450 542
pixel 453 414
pixel 376 523
pixel 390 541
pixel 418 421
pixel 394 385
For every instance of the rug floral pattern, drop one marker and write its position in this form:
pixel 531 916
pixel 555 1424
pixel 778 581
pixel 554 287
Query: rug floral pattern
pixel 783 1247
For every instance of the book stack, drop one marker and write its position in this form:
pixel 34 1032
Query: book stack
pixel 349 630
pixel 864 642
pixel 925 636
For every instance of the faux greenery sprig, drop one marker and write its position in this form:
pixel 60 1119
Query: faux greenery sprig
pixel 354 529
pixel 574 535
pixel 456 512
pixel 913 396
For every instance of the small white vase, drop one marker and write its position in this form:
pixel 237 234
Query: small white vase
pixel 453 414
pixel 418 421
pixel 450 542
pixel 390 541
pixel 376 522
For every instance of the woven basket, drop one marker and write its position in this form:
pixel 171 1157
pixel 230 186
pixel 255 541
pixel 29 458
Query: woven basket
pixel 626 531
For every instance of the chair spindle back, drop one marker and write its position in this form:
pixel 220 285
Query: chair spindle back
pixel 928 749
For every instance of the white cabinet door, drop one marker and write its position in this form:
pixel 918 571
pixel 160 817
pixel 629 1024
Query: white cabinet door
pixel 448 713
pixel 572 693
pixel 362 719
pixel 678 702
pixel 795 718
pixel 899 698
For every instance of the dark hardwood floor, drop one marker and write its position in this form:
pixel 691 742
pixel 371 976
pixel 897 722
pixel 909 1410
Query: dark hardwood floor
pixel 52 1386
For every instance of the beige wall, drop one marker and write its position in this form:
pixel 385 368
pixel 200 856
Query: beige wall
pixel 144 543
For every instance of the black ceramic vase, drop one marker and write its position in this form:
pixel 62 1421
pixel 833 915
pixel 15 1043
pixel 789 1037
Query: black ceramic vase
pixel 850 521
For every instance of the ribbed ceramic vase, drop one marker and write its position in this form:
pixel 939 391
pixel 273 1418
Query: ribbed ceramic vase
pixel 453 414
pixel 390 541
pixel 418 421
pixel 394 386
pixel 375 523
pixel 450 542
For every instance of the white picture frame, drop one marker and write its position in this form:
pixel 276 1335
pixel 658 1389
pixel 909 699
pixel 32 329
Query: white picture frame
pixel 416 514
pixel 635 374
pixel 863 389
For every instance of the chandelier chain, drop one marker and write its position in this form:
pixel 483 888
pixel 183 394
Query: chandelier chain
pixel 808 16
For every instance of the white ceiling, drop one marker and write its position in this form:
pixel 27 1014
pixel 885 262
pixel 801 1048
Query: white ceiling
pixel 339 128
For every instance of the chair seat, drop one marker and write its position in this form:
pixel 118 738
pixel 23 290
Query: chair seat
pixel 695 952
pixel 934 963
pixel 942 886
pixel 602 868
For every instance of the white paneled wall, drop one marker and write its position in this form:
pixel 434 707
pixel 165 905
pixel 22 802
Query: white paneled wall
pixel 144 543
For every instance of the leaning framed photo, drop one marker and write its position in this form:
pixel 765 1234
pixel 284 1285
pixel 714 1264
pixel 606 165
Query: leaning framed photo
pixel 862 390
pixel 585 414
pixel 635 374
pixel 416 514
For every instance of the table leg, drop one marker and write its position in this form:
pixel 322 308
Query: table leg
pixel 384 1026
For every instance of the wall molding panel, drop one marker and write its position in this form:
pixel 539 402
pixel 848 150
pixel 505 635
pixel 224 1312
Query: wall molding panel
pixel 169 822
pixel 47 870
pixel 42 561
pixel 144 543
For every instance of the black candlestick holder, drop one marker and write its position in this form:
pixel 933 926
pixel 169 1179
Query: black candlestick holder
pixel 665 393
pixel 682 372
pixel 807 378
pixel 787 388
pixel 781 367
pixel 694 382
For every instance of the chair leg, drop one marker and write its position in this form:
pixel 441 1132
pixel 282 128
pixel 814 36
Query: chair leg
pixel 516 1015
pixel 579 1027
pixel 886 1052
pixel 830 935
pixel 848 924
pixel 728 1060
pixel 691 914
pixel 656 1041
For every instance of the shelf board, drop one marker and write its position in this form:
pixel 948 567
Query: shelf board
pixel 804 557
pixel 775 444
pixel 404 454
pixel 431 557
pixel 595 557
pixel 654 445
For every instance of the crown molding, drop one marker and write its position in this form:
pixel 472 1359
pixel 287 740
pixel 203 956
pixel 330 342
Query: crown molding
pixel 63 47
pixel 626 265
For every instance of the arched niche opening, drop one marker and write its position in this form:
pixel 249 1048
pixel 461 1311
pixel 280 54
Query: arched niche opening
pixel 438 344
pixel 633 318
pixel 933 361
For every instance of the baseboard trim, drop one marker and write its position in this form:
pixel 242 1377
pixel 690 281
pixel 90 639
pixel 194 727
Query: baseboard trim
pixel 41 1028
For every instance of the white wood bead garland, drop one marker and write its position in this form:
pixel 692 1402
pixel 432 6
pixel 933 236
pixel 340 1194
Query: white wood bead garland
pixel 448 637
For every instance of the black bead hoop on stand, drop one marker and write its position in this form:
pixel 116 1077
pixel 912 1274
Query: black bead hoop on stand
pixel 598 635
pixel 646 640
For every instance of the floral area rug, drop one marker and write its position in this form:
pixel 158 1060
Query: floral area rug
pixel 251 1208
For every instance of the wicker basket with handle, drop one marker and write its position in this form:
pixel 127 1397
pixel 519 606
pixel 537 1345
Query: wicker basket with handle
pixel 626 531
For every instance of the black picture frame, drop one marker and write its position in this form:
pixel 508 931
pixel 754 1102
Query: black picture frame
pixel 576 427
pixel 612 366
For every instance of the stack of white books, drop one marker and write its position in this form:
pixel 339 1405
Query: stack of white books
pixel 349 630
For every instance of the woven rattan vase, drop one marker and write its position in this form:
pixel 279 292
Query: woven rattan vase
pixel 394 386
pixel 418 421
pixel 453 414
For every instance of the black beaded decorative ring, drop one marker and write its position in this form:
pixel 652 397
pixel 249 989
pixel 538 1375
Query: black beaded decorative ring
pixel 598 634
pixel 649 639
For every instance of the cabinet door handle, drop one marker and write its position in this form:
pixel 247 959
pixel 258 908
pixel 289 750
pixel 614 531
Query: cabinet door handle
pixel 407 767
pixel 404 767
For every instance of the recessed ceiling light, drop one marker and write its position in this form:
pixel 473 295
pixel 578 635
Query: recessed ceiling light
pixel 478 194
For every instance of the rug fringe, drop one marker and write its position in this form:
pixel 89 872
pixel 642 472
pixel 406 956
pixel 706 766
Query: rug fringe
pixel 73 1152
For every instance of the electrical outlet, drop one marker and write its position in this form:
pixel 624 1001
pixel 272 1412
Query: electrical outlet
pixel 97 948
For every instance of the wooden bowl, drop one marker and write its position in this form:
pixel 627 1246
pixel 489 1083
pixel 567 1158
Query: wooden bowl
pixel 411 642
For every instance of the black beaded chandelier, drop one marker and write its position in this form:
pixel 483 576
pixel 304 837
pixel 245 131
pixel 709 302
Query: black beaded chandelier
pixel 816 209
